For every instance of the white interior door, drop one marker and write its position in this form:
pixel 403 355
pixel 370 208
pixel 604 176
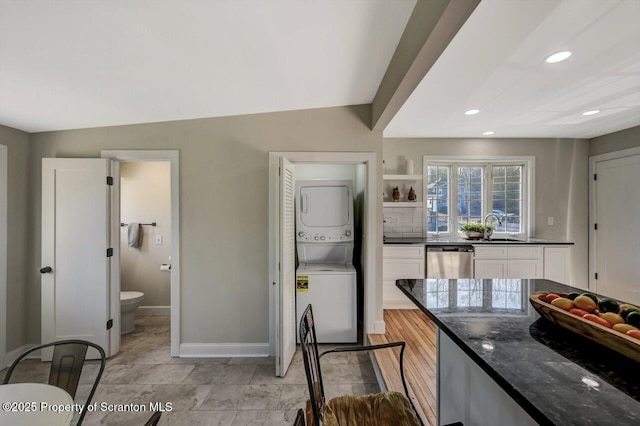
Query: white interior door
pixel 617 247
pixel 75 239
pixel 285 299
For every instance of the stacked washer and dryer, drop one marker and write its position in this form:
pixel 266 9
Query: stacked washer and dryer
pixel 325 277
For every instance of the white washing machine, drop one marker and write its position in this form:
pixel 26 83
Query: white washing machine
pixel 325 277
pixel 331 290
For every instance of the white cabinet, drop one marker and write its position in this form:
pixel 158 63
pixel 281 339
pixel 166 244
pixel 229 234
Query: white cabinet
pixel 400 262
pixel 467 394
pixel 508 262
pixel 557 264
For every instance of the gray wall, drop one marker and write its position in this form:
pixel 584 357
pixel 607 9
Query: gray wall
pixel 145 197
pixel 617 141
pixel 223 205
pixel 561 181
pixel 17 143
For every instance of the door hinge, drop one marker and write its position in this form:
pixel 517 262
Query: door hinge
pixel 595 176
pixel 109 180
pixel 595 226
pixel 109 324
pixel 596 275
pixel 109 252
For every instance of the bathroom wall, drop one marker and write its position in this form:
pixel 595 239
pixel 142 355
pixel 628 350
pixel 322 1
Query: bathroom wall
pixel 145 189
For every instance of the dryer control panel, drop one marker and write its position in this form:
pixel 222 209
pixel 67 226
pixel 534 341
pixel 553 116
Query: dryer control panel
pixel 325 237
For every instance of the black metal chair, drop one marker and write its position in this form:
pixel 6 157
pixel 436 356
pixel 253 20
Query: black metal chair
pixel 66 367
pixel 404 412
pixel 299 418
pixel 154 419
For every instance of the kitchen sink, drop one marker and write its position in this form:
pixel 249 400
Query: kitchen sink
pixel 503 240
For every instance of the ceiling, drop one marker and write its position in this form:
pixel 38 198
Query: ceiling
pixel 78 64
pixel 496 63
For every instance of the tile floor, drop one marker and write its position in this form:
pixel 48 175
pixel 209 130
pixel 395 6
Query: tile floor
pixel 204 391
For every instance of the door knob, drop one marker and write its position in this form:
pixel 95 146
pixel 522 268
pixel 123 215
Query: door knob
pixel 46 270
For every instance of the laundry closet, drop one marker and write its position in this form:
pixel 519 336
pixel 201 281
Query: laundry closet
pixel 329 203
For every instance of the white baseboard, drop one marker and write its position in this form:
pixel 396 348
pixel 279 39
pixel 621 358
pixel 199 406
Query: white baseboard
pixel 223 350
pixel 379 327
pixel 154 310
pixel 398 304
pixel 14 354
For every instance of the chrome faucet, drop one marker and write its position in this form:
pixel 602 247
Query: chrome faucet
pixel 486 237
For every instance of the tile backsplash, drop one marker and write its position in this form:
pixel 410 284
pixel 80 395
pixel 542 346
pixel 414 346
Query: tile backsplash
pixel 403 222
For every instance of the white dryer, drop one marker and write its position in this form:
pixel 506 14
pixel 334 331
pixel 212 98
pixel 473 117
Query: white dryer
pixel 326 278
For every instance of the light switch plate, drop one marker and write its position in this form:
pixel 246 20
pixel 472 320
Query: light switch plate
pixel 550 221
pixel 159 239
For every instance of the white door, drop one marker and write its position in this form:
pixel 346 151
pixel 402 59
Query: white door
pixel 617 247
pixel 75 262
pixel 285 315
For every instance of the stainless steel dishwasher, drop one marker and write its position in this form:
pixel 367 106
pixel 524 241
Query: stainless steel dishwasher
pixel 450 262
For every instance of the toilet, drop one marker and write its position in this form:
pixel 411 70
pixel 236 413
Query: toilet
pixel 129 301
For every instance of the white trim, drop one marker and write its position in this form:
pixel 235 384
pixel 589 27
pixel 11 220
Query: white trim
pixel 528 179
pixel 4 177
pixel 592 203
pixel 372 285
pixel 223 350
pixel 154 311
pixel 173 156
pixel 379 327
pixel 14 354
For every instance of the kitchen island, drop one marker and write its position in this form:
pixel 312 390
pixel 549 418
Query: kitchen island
pixel 499 363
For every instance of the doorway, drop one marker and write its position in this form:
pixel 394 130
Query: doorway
pixel 281 330
pixel 145 248
pixel 613 215
pixel 132 162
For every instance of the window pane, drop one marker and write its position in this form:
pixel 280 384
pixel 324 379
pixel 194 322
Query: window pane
pixel 437 198
pixel 507 197
pixel 469 188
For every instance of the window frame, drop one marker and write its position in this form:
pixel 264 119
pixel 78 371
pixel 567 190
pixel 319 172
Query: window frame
pixel 527 210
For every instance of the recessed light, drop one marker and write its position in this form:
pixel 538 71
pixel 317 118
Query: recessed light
pixel 558 57
pixel 593 111
pixel 472 112
pixel 489 133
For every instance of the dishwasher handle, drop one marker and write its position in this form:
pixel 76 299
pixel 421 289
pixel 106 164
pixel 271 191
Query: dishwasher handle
pixel 451 249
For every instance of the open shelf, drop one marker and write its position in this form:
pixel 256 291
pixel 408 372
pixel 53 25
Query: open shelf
pixel 402 204
pixel 402 177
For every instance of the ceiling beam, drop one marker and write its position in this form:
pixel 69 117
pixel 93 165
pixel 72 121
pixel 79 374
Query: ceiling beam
pixel 432 25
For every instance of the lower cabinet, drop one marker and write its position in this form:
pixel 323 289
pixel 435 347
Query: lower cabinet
pixel 400 262
pixel 557 264
pixel 508 262
pixel 465 393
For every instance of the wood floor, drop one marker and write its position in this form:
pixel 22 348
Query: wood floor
pixel 419 332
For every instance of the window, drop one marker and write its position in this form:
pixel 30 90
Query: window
pixel 459 192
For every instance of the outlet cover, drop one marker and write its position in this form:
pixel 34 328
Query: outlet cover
pixel 550 221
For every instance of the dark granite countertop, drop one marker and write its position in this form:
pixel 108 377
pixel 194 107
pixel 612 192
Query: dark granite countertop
pixel 431 241
pixel 558 377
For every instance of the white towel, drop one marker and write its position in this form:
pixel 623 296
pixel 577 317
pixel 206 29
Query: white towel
pixel 135 235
